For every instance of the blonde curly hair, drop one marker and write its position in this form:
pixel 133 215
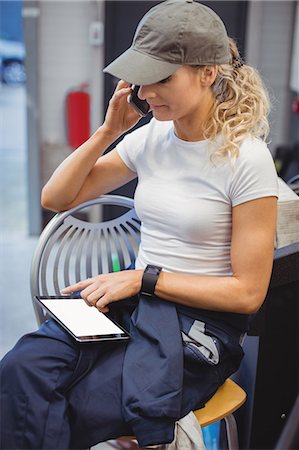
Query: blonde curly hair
pixel 241 106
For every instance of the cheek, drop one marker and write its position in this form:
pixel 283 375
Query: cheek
pixel 178 103
pixel 184 101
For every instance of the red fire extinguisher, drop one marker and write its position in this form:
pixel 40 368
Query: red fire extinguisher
pixel 78 116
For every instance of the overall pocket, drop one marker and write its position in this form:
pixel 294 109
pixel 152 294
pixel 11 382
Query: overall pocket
pixel 204 347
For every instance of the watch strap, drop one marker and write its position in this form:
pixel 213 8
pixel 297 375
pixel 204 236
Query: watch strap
pixel 149 279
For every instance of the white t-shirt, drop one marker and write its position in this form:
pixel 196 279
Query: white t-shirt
pixel 185 201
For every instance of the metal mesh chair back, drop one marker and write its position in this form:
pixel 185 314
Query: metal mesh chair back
pixel 71 249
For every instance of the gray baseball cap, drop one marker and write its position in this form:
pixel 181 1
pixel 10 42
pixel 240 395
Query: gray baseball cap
pixel 172 34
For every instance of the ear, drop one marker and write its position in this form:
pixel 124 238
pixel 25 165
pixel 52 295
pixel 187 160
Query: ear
pixel 208 75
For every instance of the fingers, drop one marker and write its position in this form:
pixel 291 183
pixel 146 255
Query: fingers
pixel 104 310
pixel 77 286
pixel 94 295
pixel 122 89
pixel 120 116
pixel 122 84
pixel 101 305
pixel 92 292
pixel 121 92
pixel 97 299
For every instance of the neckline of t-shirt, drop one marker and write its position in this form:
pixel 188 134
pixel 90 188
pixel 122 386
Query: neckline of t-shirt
pixel 196 144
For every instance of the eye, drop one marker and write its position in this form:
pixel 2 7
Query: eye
pixel 165 80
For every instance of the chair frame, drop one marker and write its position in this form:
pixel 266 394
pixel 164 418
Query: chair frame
pixel 79 235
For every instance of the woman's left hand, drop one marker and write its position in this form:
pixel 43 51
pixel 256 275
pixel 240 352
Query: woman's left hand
pixel 106 288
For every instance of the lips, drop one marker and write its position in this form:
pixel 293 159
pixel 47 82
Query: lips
pixel 155 106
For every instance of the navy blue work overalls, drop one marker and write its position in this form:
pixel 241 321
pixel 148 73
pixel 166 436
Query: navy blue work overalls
pixel 60 394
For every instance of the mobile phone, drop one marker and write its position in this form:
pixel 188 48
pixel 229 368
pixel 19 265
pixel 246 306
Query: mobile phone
pixel 141 106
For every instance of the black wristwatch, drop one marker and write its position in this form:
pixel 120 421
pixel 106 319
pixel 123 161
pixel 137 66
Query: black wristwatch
pixel 149 279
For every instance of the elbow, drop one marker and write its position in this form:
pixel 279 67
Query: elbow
pixel 251 302
pixel 48 201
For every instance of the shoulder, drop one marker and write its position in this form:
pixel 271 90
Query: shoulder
pixel 146 135
pixel 254 151
pixel 255 157
pixel 134 145
pixel 254 174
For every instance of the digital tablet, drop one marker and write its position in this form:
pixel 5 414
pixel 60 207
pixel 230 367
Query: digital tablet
pixel 85 323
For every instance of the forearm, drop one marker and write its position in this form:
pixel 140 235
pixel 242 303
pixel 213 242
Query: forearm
pixel 229 294
pixel 67 180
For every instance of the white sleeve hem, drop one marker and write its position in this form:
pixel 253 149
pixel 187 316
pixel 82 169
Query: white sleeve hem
pixel 125 160
pixel 254 196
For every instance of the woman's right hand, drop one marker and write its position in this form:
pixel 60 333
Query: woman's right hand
pixel 81 176
pixel 120 116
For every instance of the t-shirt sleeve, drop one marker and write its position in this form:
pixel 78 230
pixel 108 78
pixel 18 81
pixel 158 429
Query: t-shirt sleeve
pixel 131 145
pixel 254 174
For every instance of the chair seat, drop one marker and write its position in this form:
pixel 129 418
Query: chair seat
pixel 228 398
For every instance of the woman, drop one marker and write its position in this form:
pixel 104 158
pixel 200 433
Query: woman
pixel 206 196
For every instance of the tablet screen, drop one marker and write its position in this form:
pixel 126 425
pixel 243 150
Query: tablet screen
pixel 83 321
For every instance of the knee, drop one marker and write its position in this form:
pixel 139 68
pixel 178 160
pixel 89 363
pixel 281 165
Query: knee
pixel 17 363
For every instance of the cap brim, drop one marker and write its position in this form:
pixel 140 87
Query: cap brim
pixel 138 68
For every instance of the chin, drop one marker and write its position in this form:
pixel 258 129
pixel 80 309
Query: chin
pixel 162 116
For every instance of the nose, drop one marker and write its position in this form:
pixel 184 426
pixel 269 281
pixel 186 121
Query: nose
pixel 146 92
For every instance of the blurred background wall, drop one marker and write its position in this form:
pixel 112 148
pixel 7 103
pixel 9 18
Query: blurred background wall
pixel 67 43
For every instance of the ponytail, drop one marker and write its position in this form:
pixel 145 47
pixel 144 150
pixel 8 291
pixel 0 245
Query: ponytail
pixel 241 106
